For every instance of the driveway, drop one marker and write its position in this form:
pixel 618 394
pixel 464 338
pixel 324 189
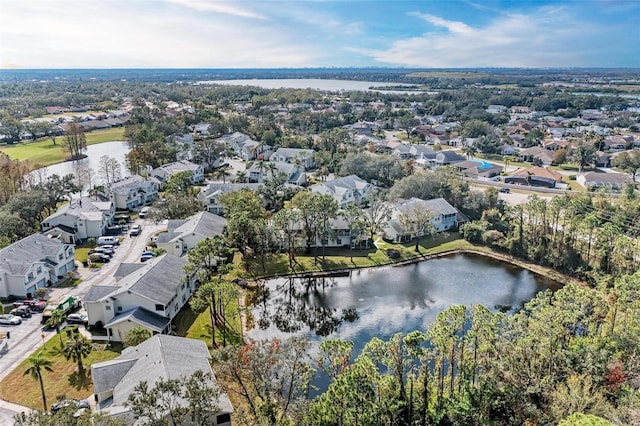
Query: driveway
pixel 27 337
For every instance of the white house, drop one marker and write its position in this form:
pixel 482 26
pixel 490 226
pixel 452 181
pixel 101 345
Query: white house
pixel 245 147
pixel 611 181
pixel 210 196
pixel 87 217
pixel 163 173
pixel 293 155
pixel 132 192
pixel 346 190
pixel 159 358
pixel 150 296
pixel 444 217
pixel 32 263
pixel 183 235
pixel 260 171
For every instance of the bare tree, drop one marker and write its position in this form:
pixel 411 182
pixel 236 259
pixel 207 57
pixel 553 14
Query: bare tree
pixel 75 141
pixel 109 169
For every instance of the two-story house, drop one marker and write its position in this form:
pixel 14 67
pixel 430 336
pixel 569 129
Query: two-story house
pixel 159 358
pixel 302 157
pixel 245 147
pixel 348 190
pixel 260 171
pixel 149 296
pixel 33 263
pixel 86 217
pixel 210 196
pixel 163 173
pixel 443 217
pixel 183 234
pixel 132 192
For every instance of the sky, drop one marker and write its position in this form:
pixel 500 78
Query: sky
pixel 319 33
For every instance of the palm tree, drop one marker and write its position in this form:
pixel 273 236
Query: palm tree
pixel 36 364
pixel 77 347
pixel 56 320
pixel 241 176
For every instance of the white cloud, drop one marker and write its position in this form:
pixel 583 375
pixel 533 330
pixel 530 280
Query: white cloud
pixel 548 37
pixel 218 7
pixel 113 34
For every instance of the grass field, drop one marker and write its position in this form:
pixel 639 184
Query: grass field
pixel 198 326
pixel 44 153
pixel 63 381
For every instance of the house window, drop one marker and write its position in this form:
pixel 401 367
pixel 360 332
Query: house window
pixel 223 418
pixel 107 308
pixel 39 270
pixel 119 308
pixel 159 307
pixel 184 297
pixel 60 257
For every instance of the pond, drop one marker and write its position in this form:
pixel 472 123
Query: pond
pixel 380 302
pixel 115 149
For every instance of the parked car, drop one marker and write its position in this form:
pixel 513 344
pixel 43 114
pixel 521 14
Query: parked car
pixel 504 190
pixel 98 251
pixel 135 230
pixel 21 311
pixel 77 318
pixel 9 319
pixel 26 302
pixel 148 253
pixel 144 212
pixel 39 306
pixel 107 240
pixel 69 402
pixel 99 257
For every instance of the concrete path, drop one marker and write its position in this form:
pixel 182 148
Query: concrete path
pixel 27 337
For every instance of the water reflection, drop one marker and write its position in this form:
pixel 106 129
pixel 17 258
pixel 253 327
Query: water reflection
pixel 383 301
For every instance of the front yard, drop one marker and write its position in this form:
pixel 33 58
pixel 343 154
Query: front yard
pixel 64 381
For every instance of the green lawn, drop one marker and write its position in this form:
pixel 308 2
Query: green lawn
pixel 44 153
pixel 63 381
pixel 336 259
pixel 198 326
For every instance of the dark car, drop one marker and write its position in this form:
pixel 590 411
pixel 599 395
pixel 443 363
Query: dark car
pixel 69 402
pixel 504 190
pixel 39 306
pixel 99 257
pixel 21 311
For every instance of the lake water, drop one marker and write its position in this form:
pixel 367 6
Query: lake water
pixel 312 83
pixel 115 149
pixel 380 302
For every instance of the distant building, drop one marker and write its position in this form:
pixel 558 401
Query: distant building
pixel 535 176
pixel 348 190
pixel 163 173
pixel 85 217
pixel 611 181
pixel 132 192
pixel 184 234
pixel 445 217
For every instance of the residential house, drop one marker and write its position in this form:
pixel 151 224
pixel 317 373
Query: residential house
pixel 496 109
pixel 132 192
pixel 422 152
pixel 87 217
pixel 617 142
pixel 161 357
pixel 302 157
pixel 260 171
pixel 444 217
pixel 478 169
pixel 183 235
pixel 536 154
pixel 535 176
pixel 210 196
pixel 245 147
pixel 507 149
pixel 596 180
pixel 149 297
pixel 602 159
pixel 555 145
pixel 348 190
pixel 163 173
pixel 32 263
pixel 447 157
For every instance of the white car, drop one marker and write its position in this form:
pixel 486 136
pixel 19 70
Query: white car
pixel 9 319
pixel 77 318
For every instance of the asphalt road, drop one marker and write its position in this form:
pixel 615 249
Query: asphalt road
pixel 27 337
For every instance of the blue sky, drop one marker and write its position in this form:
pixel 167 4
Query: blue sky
pixel 318 33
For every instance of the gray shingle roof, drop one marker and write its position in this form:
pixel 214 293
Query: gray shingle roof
pixel 125 269
pixel 143 317
pixel 160 357
pixel 17 258
pixel 97 292
pixel 337 186
pixel 85 206
pixel 158 280
pixel 204 224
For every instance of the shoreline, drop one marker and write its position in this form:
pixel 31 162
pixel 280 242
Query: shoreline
pixel 543 271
